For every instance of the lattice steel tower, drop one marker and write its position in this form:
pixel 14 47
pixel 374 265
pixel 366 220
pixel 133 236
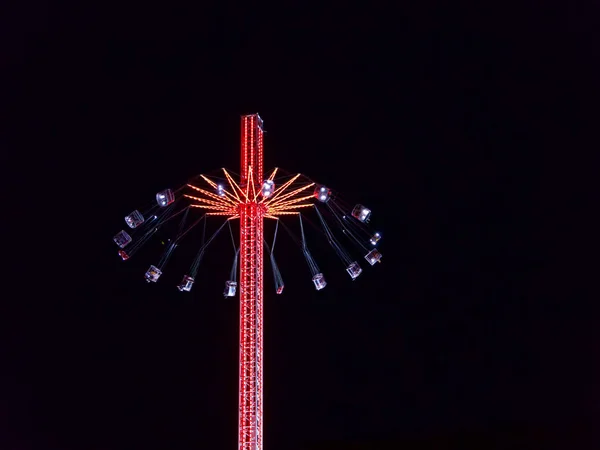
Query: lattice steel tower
pixel 251 287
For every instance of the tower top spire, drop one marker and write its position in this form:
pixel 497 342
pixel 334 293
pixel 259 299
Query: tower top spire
pixel 251 150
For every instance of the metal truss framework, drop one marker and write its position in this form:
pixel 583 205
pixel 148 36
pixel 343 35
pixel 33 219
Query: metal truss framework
pixel 250 426
pixel 244 201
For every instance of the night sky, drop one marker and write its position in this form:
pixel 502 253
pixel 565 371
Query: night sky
pixel 442 120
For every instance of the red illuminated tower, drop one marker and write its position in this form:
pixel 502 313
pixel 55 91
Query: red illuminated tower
pixel 251 215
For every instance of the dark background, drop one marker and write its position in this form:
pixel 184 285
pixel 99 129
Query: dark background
pixel 452 123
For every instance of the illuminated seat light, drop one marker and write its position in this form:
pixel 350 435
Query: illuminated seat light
pixel 361 213
pixel 375 238
pixel 153 274
pixel 134 219
pixel 373 256
pixel 186 284
pixel 230 288
pixel 319 281
pixel 164 198
pixel 322 193
pixel 122 238
pixel 267 188
pixel 354 270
